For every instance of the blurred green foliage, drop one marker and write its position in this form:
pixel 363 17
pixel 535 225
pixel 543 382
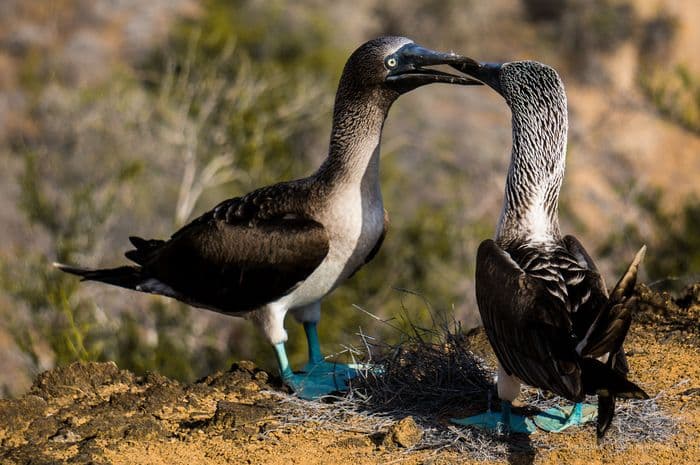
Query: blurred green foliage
pixel 675 93
pixel 58 317
pixel 673 257
pixel 584 30
pixel 674 89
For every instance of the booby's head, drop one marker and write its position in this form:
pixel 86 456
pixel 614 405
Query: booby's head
pixel 396 65
pixel 523 84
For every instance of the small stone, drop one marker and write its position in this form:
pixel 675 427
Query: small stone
pixel 405 432
pixel 66 436
pixel 246 365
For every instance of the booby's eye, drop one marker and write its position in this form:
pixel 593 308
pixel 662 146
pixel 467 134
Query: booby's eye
pixel 391 62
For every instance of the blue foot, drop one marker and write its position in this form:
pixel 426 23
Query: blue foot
pixel 502 422
pixel 311 387
pixel 558 419
pixel 338 374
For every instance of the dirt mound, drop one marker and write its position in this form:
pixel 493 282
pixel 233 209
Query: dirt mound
pixel 669 318
pixel 76 412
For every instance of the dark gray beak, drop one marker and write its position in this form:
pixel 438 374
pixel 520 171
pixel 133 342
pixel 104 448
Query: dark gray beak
pixel 488 73
pixel 409 68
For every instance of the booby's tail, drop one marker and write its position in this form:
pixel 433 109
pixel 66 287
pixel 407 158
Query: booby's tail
pixel 607 333
pixel 129 277
pixel 601 379
pixel 145 249
pixel 604 342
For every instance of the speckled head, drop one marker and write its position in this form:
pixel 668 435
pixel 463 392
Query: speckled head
pixel 521 83
pixel 397 65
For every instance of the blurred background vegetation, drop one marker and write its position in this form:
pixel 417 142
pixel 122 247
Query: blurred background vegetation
pixel 129 117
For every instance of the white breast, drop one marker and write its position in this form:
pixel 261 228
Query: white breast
pixel 354 223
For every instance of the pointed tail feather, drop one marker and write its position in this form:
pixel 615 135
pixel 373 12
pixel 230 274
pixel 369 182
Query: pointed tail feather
pixel 625 285
pixel 605 337
pixel 124 276
pixel 598 378
pixel 144 249
pixel 606 412
pixel 608 331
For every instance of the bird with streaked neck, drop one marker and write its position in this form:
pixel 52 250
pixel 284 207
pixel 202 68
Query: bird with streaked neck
pixel 286 246
pixel 543 302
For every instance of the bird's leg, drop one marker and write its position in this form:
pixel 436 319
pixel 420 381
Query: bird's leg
pixel 315 355
pixel 317 365
pixel 506 421
pixel 270 319
pixel 309 316
pixel 282 361
pixel 333 373
pixel 305 386
pixel 557 419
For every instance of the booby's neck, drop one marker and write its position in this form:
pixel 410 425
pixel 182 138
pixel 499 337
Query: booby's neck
pixel 353 156
pixel 530 208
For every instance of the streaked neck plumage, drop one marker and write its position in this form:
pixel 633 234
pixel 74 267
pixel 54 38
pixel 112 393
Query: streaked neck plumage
pixel 358 120
pixel 530 208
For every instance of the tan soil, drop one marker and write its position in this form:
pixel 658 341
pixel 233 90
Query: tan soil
pixel 96 413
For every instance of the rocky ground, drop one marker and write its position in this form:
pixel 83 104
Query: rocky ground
pixel 96 413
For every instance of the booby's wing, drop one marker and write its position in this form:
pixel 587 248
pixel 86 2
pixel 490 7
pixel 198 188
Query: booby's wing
pixel 235 268
pixel 529 328
pixel 591 294
pixel 246 252
pixel 576 249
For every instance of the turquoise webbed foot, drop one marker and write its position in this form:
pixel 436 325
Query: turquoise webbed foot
pixel 558 419
pixel 338 374
pixel 318 377
pixel 502 422
pixel 310 387
pixel 335 373
pixel 340 371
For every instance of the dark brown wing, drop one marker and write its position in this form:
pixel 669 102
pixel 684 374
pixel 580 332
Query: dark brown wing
pixel 596 307
pixel 236 268
pixel 380 241
pixel 530 330
pixel 245 252
pixel 591 295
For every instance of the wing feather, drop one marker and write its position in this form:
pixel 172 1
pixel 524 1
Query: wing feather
pixel 245 252
pixel 237 268
pixel 530 331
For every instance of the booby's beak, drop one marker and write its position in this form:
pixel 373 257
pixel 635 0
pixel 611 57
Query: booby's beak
pixel 487 73
pixel 407 68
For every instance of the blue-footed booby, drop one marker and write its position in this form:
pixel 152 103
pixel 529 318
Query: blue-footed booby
pixel 543 303
pixel 284 247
